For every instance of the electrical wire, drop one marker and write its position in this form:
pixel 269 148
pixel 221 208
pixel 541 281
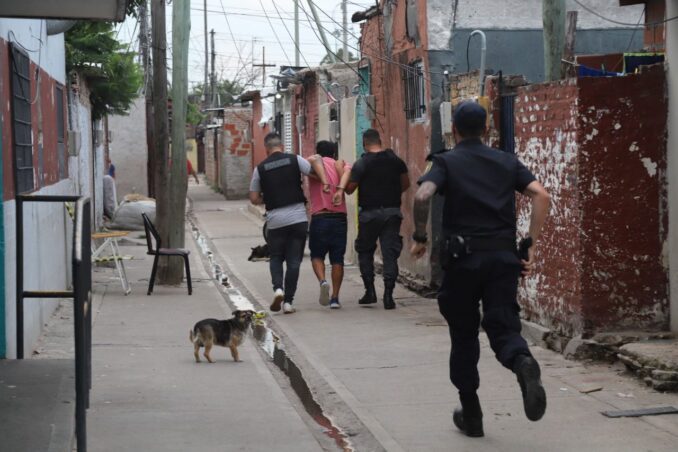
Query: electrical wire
pixel 626 24
pixel 240 58
pixel 274 33
pixel 348 65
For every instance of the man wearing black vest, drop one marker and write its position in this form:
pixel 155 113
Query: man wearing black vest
pixel 381 177
pixel 480 259
pixel 276 182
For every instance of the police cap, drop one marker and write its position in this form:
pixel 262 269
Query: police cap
pixel 469 118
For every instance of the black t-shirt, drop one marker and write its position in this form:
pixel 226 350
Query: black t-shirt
pixel 378 176
pixel 479 185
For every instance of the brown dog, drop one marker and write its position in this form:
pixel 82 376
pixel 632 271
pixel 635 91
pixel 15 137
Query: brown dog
pixel 226 333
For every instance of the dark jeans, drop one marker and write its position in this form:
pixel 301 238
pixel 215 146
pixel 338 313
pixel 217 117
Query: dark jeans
pixel 382 225
pixel 493 277
pixel 287 245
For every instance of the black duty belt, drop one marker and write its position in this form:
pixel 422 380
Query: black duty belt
pixel 457 246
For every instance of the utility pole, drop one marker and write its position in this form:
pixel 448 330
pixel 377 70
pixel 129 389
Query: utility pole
pixel 553 14
pixel 204 87
pixel 181 26
pixel 567 69
pixel 296 33
pixel 213 78
pixel 344 14
pixel 144 45
pixel 160 124
pixel 322 31
pixel 263 65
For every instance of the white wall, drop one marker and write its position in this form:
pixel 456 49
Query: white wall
pixel 672 59
pixel 50 55
pixel 527 14
pixel 47 253
pixel 128 150
pixel 347 147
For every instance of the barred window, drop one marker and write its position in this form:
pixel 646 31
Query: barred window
pixel 415 95
pixel 21 121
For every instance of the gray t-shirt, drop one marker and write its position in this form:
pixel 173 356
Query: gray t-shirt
pixel 288 215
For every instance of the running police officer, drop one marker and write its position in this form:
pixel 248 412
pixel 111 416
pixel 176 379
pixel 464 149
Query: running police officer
pixel 382 178
pixel 480 259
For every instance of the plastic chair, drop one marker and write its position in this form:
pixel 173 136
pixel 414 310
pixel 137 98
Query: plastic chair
pixel 160 251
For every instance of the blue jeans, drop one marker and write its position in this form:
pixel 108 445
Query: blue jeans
pixel 287 245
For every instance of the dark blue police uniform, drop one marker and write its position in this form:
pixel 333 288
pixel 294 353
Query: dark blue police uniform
pixel 479 225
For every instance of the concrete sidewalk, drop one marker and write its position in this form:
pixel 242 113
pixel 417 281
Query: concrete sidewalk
pixel 390 368
pixel 148 394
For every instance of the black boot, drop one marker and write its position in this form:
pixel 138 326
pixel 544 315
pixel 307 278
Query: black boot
pixel 370 295
pixel 469 418
pixel 529 378
pixel 388 295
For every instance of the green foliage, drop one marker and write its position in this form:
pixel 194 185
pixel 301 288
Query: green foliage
pixel 193 115
pixel 114 78
pixel 227 91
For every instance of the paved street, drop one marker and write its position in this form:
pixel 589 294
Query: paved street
pixel 378 380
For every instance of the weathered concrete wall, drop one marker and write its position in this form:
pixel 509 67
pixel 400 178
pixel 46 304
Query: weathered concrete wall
pixel 47 252
pixel 672 172
pixel 347 147
pixel 213 145
pixel 236 157
pixel 307 106
pixel 521 51
pixel 601 258
pixel 128 150
pixel 527 14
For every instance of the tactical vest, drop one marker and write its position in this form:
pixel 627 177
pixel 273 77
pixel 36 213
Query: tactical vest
pixel 280 180
pixel 380 184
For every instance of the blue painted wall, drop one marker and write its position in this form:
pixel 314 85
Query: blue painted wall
pixel 362 121
pixel 522 51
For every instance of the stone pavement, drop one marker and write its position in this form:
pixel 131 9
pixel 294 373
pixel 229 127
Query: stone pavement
pixel 384 375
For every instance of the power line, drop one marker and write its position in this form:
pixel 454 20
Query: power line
pixel 274 32
pixel 240 58
pixel 626 24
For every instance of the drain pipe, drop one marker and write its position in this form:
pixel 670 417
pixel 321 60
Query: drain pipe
pixel 483 51
pixel 55 27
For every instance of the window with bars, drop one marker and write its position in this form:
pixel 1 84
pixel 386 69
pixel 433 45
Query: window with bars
pixel 21 121
pixel 415 94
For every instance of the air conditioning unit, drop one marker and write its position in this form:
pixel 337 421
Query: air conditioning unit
pixel 371 102
pixel 446 118
pixel 300 123
pixel 73 143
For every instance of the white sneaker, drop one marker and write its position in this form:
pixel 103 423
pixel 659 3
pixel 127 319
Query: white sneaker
pixel 324 298
pixel 278 297
pixel 288 308
pixel 334 304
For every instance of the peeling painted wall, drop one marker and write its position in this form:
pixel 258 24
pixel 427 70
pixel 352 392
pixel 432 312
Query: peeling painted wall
pixel 599 147
pixel 672 59
pixel 236 156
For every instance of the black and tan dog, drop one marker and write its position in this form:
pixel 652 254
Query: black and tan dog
pixel 226 333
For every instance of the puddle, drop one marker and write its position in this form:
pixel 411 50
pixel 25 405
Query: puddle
pixel 268 341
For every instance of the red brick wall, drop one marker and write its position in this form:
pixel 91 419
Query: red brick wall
pixel 410 139
pixel 546 141
pixel 43 118
pixel 236 121
pixel 599 147
pixel 622 187
pixel 306 98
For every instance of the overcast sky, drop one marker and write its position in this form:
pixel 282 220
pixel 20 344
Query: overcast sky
pixel 250 31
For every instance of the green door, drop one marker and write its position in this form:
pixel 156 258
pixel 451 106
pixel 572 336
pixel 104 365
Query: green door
pixel 362 119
